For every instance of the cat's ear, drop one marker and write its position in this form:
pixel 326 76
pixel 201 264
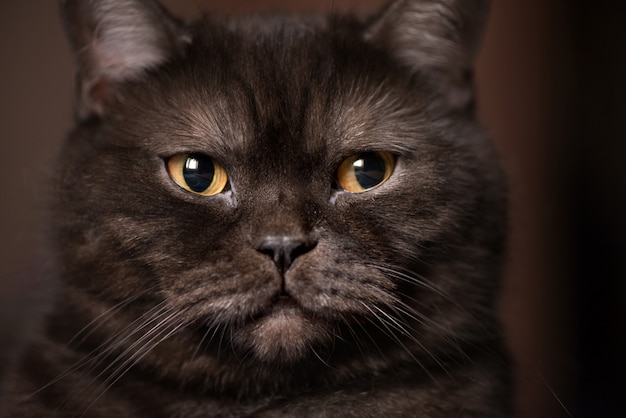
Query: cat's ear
pixel 115 41
pixel 437 39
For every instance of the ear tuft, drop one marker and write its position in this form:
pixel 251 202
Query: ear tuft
pixel 436 38
pixel 115 41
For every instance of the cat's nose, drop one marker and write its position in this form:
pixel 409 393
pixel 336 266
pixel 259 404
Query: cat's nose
pixel 284 249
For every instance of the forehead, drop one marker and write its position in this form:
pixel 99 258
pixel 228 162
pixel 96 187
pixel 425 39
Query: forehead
pixel 306 86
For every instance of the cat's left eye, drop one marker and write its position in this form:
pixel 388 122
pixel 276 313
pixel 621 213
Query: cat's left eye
pixel 197 173
pixel 365 171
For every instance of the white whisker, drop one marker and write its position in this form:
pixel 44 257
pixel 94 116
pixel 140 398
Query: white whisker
pixel 97 322
pixel 90 357
pixel 389 332
pixel 137 356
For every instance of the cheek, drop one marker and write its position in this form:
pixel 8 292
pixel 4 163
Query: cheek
pixel 395 225
pixel 332 281
pixel 222 289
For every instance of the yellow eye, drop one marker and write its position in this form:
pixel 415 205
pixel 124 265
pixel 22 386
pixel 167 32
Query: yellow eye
pixel 197 174
pixel 365 171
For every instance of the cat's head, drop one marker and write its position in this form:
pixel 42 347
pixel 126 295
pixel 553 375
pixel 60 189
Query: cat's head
pixel 282 187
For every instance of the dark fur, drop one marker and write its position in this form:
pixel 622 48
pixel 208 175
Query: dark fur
pixel 167 307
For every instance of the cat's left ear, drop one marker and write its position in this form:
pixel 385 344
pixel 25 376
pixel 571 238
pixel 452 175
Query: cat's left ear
pixel 437 39
pixel 116 41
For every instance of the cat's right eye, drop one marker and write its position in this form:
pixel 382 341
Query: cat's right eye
pixel 197 173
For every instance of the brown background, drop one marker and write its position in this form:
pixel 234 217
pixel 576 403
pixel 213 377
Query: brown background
pixel 552 94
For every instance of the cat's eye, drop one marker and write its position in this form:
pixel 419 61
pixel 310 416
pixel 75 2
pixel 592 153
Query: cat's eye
pixel 365 171
pixel 197 174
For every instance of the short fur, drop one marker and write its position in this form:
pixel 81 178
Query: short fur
pixel 169 307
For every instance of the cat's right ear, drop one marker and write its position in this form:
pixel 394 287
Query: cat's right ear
pixel 115 41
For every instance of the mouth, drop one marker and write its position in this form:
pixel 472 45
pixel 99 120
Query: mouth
pixel 281 332
pixel 282 315
pixel 282 304
pixel 284 300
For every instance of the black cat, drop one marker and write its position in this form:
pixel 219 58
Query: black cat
pixel 277 216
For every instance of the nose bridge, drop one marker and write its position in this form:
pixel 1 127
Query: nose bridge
pixel 282 188
pixel 280 211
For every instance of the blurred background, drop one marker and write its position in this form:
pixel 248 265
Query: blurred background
pixel 552 93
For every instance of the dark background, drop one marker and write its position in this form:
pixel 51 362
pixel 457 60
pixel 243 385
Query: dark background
pixel 551 78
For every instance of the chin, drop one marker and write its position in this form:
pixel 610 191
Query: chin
pixel 284 334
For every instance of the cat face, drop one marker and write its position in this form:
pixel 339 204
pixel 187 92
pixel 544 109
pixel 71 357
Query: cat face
pixel 295 191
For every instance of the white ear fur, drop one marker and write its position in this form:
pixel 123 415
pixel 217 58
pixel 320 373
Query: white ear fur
pixel 115 41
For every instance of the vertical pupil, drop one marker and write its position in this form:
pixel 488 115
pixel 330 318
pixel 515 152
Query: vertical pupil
pixel 369 169
pixel 198 172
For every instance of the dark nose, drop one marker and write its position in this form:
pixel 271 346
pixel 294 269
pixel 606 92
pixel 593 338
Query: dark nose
pixel 284 249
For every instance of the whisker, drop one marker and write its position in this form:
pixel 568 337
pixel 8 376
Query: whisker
pixel 118 339
pixel 215 327
pixel 413 338
pixel 147 335
pixel 219 345
pixel 204 336
pixel 106 348
pixel 440 330
pixel 324 362
pixel 416 279
pixel 137 356
pixel 387 331
pixel 404 331
pixel 106 314
pixel 372 339
pixel 419 280
pixel 141 351
pixel 90 357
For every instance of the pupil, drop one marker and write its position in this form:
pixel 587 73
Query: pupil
pixel 369 169
pixel 198 172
